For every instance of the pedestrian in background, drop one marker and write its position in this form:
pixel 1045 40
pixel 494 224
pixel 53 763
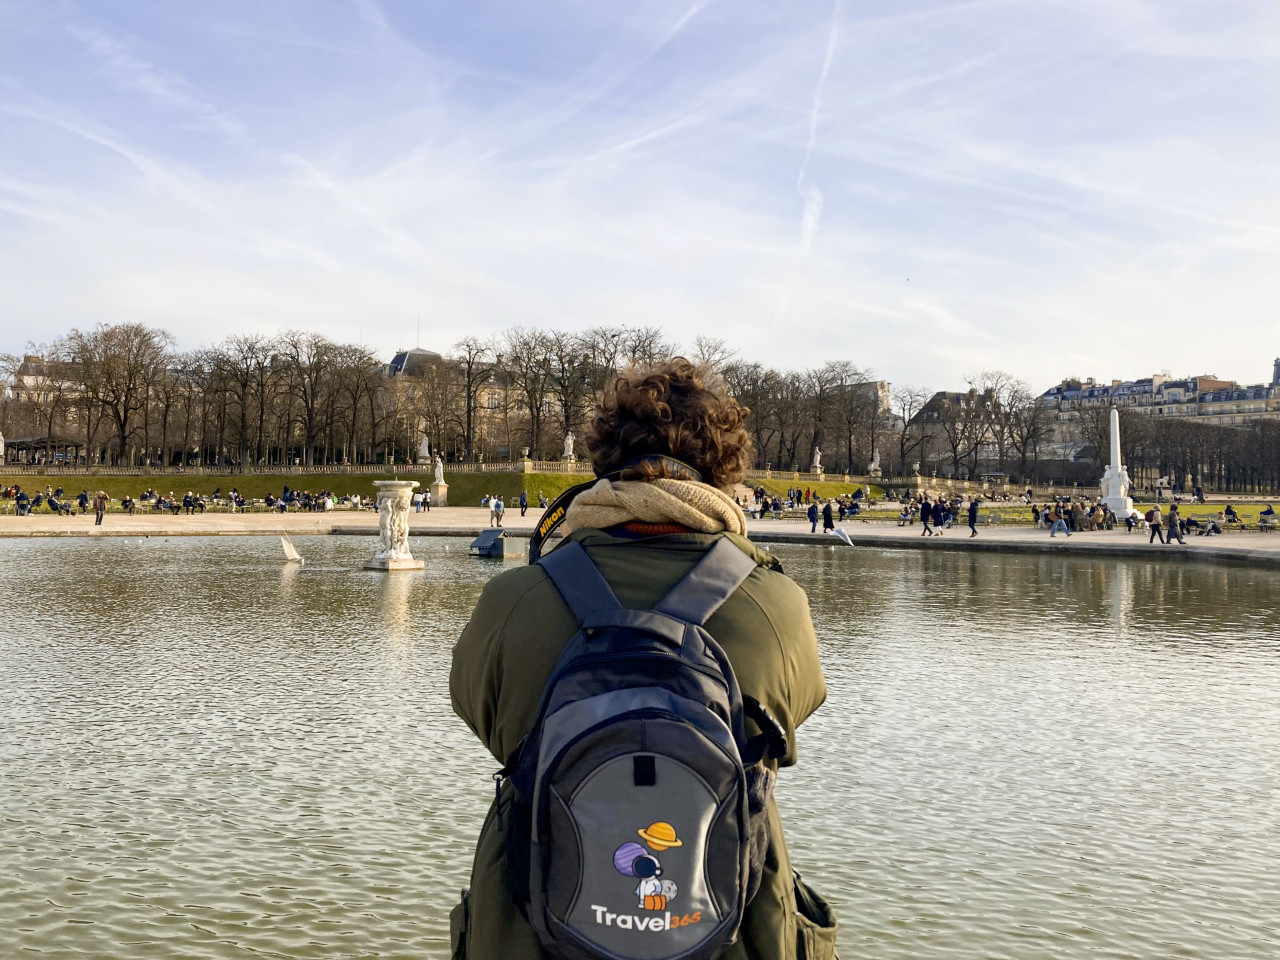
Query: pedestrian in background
pixel 1056 519
pixel 99 507
pixel 1153 521
pixel 1175 526
pixel 973 517
pixel 813 518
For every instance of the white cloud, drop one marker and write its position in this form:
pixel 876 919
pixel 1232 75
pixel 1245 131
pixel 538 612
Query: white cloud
pixel 976 184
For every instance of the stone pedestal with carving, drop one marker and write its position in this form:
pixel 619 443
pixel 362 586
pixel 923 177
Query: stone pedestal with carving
pixel 393 526
pixel 439 494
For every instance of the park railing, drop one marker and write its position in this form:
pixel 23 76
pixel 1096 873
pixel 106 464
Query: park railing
pixel 501 466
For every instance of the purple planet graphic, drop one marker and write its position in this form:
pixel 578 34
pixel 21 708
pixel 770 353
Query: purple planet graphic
pixel 624 858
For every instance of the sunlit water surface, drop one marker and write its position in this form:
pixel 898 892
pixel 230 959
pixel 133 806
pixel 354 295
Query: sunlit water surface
pixel 207 754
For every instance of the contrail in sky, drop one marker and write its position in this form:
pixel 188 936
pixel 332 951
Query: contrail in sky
pixel 816 109
pixel 813 198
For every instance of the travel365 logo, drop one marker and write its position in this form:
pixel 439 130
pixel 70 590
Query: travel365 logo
pixel 654 891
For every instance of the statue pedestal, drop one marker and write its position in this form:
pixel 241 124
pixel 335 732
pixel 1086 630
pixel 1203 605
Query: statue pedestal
pixel 393 527
pixel 1120 506
pixel 394 563
pixel 439 494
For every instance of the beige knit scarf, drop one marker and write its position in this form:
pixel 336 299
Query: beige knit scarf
pixel 697 506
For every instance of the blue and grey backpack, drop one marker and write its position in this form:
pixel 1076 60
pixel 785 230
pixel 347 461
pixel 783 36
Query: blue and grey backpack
pixel 637 824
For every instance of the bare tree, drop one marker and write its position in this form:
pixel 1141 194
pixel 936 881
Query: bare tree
pixel 242 361
pixel 907 403
pixel 570 376
pixel 713 353
pixel 305 359
pixel 438 401
pixel 525 360
pixel 472 356
pixel 604 345
pixel 1029 425
pixel 117 365
pixel 645 346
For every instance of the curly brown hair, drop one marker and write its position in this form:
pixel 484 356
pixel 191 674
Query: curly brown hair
pixel 671 409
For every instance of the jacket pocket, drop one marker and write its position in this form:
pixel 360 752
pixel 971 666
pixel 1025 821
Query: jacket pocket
pixel 815 924
pixel 459 920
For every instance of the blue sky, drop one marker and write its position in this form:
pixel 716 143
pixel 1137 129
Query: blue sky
pixel 926 188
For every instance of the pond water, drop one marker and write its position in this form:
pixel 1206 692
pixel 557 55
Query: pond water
pixel 207 754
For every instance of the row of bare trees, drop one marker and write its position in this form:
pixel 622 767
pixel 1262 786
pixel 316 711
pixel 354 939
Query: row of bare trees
pixel 122 395
pixel 1232 459
pixel 998 425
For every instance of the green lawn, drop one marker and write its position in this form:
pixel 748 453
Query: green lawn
pixel 465 489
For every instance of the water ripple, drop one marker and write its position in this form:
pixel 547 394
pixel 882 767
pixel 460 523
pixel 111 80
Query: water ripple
pixel 205 754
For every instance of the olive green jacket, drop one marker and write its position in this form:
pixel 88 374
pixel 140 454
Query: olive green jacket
pixel 507 652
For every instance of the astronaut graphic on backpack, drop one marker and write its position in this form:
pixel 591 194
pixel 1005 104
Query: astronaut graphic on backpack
pixel 631 860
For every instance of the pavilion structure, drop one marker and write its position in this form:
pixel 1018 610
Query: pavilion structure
pixel 51 450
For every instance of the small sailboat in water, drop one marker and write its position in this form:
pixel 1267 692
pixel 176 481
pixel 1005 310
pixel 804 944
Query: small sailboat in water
pixel 290 553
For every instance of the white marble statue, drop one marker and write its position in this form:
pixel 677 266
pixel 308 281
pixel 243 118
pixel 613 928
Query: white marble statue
pixel 1115 480
pixel 393 526
pixel 568 445
pixel 817 460
pixel 439 470
pixel 385 539
pixel 424 449
pixel 1 448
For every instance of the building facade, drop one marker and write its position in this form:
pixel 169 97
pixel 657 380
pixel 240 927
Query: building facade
pixel 1205 398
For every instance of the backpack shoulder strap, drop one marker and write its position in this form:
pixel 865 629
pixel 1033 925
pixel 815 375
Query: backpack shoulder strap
pixel 579 581
pixel 704 588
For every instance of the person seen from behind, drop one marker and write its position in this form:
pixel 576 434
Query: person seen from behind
pixel 973 517
pixel 1153 521
pixel 669 446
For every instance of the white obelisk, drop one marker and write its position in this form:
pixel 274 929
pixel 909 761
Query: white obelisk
pixel 1115 481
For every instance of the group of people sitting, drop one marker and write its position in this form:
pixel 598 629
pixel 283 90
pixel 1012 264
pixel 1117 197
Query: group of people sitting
pixel 762 504
pixel 188 503
pixel 54 500
pixel 1073 516
pixel 306 500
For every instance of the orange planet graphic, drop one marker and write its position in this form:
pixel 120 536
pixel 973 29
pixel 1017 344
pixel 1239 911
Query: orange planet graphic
pixel 660 836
